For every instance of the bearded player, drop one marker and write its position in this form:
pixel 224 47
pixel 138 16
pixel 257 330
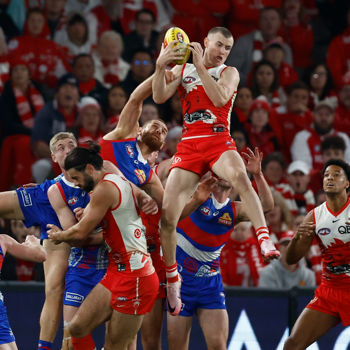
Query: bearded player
pixel 207 89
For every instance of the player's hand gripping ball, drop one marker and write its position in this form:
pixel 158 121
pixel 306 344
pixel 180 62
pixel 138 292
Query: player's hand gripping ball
pixel 176 33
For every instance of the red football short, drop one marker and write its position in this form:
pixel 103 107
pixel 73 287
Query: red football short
pixel 199 155
pixel 332 301
pixel 131 295
pixel 159 265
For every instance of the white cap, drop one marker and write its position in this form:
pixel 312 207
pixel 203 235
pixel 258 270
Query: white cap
pixel 298 165
pixel 327 102
pixel 88 101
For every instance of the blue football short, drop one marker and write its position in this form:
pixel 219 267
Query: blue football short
pixel 79 283
pixel 6 335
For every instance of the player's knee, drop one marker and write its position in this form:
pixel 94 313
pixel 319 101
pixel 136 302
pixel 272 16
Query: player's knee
pixel 239 177
pixel 54 292
pixel 292 344
pixel 217 342
pixel 168 225
pixel 76 331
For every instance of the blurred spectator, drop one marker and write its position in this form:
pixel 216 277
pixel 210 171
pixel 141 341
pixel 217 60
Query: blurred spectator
pixel 278 274
pixel 265 82
pixel 15 269
pixel 89 122
pixel 240 260
pixel 342 117
pixel 258 128
pixel 196 18
pixel 297 32
pixel 241 139
pixel 338 56
pixel 7 25
pixel 143 37
pixel 300 199
pixel 173 138
pixel 4 61
pixel 110 68
pixel 19 103
pixel 54 11
pixel 75 36
pixel 273 167
pixel 116 100
pixel 105 13
pixel 249 48
pixel 295 116
pixel 241 107
pixel 320 82
pixel 332 147
pixel 306 145
pixel 84 70
pixel 274 53
pixel 142 66
pixel 83 6
pixel 279 219
pixel 57 115
pixel 172 112
pixel 149 112
pixel 245 14
pixel 46 60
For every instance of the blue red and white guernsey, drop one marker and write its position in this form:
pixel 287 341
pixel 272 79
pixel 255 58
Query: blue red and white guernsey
pixel 36 207
pixel 200 239
pixel 87 264
pixel 6 335
pixel 127 156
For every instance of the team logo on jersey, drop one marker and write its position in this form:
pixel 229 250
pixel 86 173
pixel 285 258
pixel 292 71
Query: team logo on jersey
pixel 140 174
pixel 225 219
pixel 137 233
pixel 324 231
pixel 73 200
pixel 206 211
pixel 130 151
pixel 188 80
pixel 190 265
pixel 176 160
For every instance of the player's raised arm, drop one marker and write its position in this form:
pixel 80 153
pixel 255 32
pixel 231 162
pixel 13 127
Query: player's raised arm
pixel 302 240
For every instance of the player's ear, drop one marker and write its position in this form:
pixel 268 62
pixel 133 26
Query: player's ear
pixel 206 41
pixel 53 158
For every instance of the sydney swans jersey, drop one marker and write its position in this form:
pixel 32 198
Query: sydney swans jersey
pixel 125 233
pixel 334 238
pixel 127 156
pixel 201 237
pixel 200 117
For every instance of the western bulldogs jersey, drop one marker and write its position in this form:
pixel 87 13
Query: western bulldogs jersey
pixel 201 237
pixel 334 237
pixel 200 116
pixel 125 234
pixel 87 257
pixel 127 156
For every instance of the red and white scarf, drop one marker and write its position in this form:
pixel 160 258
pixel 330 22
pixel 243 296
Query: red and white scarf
pixel 28 105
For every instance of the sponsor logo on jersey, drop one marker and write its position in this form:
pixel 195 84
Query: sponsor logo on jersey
pixel 324 231
pixel 122 298
pixel 225 219
pixel 130 151
pixel 188 80
pixel 206 211
pixel 344 229
pixel 74 297
pixel 140 174
pixel 72 200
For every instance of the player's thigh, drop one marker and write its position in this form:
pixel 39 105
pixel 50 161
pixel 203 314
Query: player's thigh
pixel 94 310
pixel 9 206
pixel 9 346
pixel 310 326
pixel 178 189
pixel 68 312
pixel 214 324
pixel 152 322
pixel 179 329
pixel 122 328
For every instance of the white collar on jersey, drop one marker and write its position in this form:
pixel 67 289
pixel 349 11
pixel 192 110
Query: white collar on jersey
pixel 68 183
pixel 217 204
pixel 140 156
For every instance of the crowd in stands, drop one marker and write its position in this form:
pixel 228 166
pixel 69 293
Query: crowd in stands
pixel 72 64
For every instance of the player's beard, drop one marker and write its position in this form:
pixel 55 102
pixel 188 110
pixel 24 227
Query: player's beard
pixel 151 142
pixel 88 183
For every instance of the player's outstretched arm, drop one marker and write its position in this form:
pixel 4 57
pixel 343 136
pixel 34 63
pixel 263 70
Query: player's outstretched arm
pixel 155 189
pixel 162 87
pixel 302 240
pixel 29 250
pixel 104 197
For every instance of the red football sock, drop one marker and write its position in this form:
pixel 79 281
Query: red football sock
pixel 85 343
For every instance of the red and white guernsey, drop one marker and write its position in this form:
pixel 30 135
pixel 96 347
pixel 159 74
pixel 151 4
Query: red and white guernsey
pixel 201 117
pixel 334 238
pixel 125 233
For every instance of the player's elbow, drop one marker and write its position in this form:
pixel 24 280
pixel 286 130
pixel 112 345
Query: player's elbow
pixel 40 256
pixel 158 98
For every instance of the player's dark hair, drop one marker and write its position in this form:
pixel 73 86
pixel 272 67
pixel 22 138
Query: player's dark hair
pixel 333 142
pixel 222 30
pixel 79 157
pixel 340 163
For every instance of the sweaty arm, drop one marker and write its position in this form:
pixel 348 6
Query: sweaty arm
pixel 105 196
pixel 302 240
